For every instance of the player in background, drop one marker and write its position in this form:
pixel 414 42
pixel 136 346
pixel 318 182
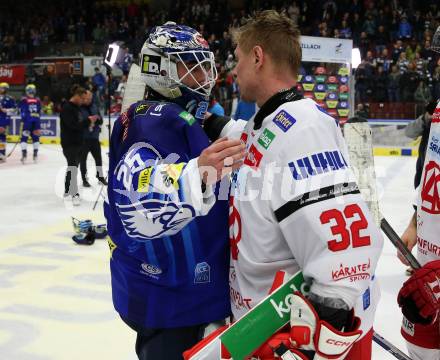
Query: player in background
pixel 7 107
pixel 169 235
pixel 30 110
pixel 308 214
pixel 420 294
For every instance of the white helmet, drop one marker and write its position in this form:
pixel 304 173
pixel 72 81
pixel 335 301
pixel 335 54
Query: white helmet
pixel 165 47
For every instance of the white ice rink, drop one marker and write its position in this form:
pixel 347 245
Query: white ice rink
pixel 55 298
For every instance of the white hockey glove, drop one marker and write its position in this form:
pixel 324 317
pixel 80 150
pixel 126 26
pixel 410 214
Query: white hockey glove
pixel 309 333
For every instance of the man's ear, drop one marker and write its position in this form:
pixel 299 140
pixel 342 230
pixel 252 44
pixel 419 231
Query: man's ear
pixel 258 56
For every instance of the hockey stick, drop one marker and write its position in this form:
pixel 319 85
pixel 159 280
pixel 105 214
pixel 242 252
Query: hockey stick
pixel 99 195
pixel 359 142
pixel 398 243
pixel 15 145
pixel 385 344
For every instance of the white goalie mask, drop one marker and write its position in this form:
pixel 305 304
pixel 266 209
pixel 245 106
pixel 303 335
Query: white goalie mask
pixel 168 45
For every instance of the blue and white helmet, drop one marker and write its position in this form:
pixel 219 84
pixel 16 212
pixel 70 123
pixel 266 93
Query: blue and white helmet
pixel 165 47
pixel 30 89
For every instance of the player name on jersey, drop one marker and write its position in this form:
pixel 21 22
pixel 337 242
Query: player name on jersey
pixel 317 164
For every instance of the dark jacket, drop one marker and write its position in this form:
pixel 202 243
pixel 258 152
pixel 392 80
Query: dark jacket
pixel 92 132
pixel 72 123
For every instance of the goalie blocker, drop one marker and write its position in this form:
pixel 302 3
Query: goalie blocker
pixel 306 336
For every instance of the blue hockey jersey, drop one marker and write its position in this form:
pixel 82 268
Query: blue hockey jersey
pixel 6 103
pixel 30 109
pixel 169 241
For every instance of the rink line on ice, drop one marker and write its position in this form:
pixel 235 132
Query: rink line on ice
pixel 55 298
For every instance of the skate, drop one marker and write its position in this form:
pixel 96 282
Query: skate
pixel 86 184
pixel 35 157
pixel 76 200
pixel 23 156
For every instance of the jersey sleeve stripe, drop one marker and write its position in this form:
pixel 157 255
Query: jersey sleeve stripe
pixel 313 197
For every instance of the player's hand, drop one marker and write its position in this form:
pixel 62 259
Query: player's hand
pixel 409 238
pixel 93 118
pixel 220 158
pixel 420 294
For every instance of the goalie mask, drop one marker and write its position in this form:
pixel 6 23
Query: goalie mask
pixel 168 45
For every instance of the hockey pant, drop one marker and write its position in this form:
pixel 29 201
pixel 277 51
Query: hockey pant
pixel 72 155
pixel 94 147
pixel 29 129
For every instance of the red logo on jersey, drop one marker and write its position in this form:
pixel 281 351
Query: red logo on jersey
pixel 244 137
pixel 234 228
pixel 254 157
pixel 430 189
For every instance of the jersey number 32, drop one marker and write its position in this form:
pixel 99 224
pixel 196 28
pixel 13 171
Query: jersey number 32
pixel 349 235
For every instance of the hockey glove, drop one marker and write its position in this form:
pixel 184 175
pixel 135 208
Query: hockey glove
pixel 309 333
pixel 276 346
pixel 420 294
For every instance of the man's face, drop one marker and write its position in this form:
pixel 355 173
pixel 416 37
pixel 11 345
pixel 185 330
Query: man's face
pixel 192 74
pixel 244 73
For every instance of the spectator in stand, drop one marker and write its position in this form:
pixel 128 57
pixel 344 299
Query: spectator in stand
pixel 420 65
pixel 409 82
pixel 81 30
pixel 345 31
pixel 380 85
pixel 121 86
pixel 405 29
pixel 364 44
pixel 99 81
pixel 422 95
pixel 402 63
pixel 384 61
pixel 126 61
pixel 397 50
pixel 47 106
pixel 382 39
pixel 369 27
pixel 71 31
pixel 394 84
pixel 411 50
pixel 98 34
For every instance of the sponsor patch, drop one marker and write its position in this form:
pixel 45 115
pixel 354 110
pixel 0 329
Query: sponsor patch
pixel 366 298
pixel 112 246
pixel 266 138
pixel 202 273
pixel 187 117
pixel 144 180
pixel 151 64
pixel 283 120
pixel 254 157
pixel 171 174
pixel 151 269
pixel 407 326
pixel 318 163
pixel 141 109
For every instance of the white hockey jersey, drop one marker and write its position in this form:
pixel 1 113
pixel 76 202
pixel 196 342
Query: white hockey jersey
pixel 295 206
pixel 428 200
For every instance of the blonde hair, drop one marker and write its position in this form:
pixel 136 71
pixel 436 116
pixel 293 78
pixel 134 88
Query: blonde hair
pixel 277 35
